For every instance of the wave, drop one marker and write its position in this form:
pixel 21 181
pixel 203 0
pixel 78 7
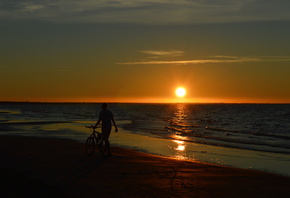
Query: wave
pixel 215 136
pixel 34 122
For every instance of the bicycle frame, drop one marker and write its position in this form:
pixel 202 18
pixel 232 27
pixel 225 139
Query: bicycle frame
pixel 95 139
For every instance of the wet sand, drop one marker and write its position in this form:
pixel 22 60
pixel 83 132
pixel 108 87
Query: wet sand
pixel 46 167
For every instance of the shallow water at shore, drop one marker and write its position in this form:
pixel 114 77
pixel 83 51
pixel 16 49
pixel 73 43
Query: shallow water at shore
pixel 258 160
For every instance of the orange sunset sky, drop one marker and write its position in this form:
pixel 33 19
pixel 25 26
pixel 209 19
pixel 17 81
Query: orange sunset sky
pixel 141 51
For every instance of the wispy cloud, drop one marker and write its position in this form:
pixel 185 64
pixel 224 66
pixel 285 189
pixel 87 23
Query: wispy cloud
pixel 163 53
pixel 147 11
pixel 219 59
pixel 29 7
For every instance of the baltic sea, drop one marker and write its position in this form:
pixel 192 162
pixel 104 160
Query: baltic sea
pixel 253 136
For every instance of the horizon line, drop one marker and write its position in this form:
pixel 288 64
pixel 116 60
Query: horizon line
pixel 145 102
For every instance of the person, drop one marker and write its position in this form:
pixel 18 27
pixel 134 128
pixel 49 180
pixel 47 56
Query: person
pixel 107 118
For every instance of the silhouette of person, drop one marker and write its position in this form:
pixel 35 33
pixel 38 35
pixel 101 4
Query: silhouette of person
pixel 107 118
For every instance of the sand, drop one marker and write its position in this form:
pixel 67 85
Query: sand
pixel 47 167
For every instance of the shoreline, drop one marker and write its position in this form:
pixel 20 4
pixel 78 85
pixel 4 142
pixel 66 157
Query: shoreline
pixel 276 163
pixel 63 167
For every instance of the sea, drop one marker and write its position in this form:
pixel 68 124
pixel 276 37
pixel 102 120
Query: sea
pixel 251 136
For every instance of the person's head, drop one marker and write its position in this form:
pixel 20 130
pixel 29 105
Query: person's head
pixel 104 106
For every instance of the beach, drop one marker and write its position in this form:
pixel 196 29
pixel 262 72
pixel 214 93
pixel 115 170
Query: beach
pixel 237 135
pixel 54 167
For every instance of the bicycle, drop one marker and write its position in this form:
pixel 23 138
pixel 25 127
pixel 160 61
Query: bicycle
pixel 95 140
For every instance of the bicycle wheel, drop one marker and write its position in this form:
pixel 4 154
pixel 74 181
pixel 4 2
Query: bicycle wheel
pixel 103 148
pixel 90 145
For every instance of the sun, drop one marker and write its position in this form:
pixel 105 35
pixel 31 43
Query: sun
pixel 180 92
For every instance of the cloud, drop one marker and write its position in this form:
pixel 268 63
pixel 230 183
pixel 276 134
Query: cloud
pixel 28 7
pixel 163 53
pixel 222 59
pixel 147 11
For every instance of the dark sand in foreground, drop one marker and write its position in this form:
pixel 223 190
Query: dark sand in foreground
pixel 40 167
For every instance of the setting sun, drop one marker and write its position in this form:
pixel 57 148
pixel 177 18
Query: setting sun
pixel 180 92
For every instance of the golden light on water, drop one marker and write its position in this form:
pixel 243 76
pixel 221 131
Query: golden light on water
pixel 180 145
pixel 180 148
pixel 180 92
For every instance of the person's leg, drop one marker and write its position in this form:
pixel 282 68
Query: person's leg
pixel 108 147
pixel 106 135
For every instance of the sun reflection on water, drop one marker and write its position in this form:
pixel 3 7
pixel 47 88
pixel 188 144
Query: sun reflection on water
pixel 180 121
pixel 179 146
pixel 180 127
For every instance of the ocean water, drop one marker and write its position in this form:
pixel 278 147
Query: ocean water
pixel 242 135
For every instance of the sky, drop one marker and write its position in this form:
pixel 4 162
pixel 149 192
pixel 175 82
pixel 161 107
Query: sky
pixel 220 51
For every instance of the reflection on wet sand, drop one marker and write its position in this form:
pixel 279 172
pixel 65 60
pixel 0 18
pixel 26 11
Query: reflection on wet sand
pixel 179 146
